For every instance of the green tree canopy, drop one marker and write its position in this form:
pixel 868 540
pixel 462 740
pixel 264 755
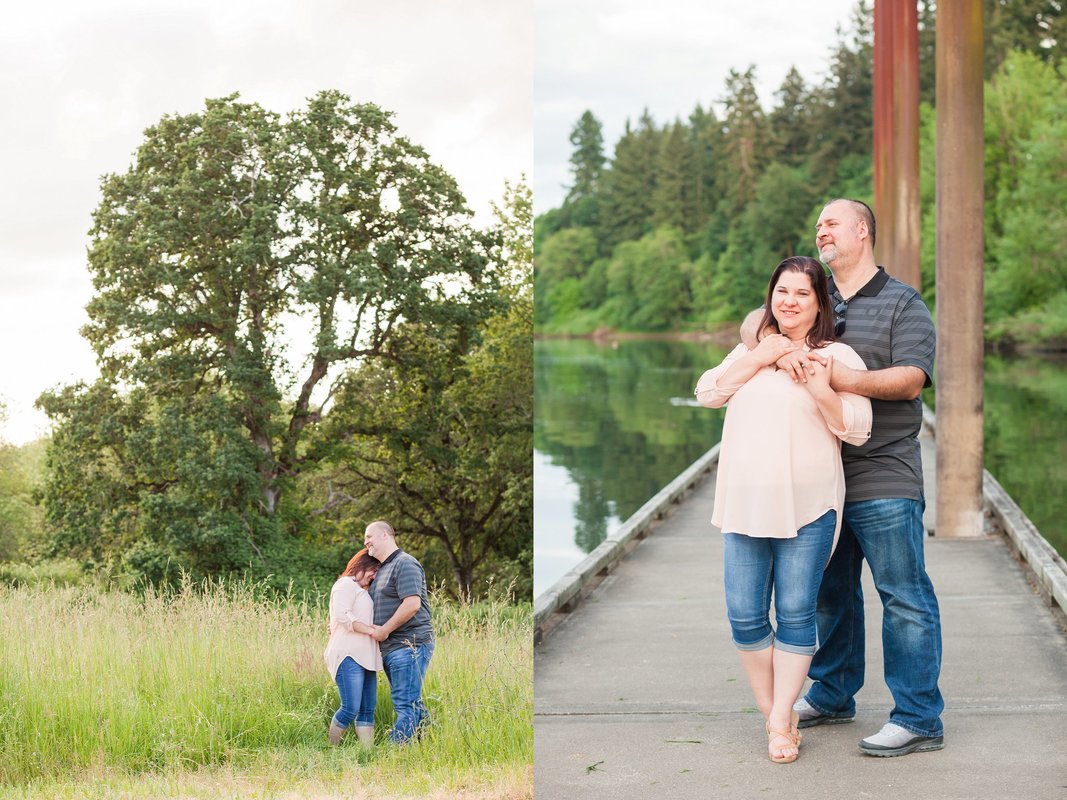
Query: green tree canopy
pixel 242 265
pixel 626 205
pixel 747 185
pixel 439 440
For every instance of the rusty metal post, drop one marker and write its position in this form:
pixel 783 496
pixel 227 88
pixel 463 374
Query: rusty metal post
pixel 883 134
pixel 906 142
pixel 896 137
pixel 959 267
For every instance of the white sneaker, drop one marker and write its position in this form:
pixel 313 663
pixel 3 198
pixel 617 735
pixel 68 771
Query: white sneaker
pixel 894 740
pixel 809 716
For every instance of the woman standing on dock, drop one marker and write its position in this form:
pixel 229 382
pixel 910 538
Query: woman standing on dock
pixel 780 486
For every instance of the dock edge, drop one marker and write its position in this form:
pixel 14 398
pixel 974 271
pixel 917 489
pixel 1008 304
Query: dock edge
pixel 1048 567
pixel 565 594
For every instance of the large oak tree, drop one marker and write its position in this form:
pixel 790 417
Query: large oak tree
pixel 242 265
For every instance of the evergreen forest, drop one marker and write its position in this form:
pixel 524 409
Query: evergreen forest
pixel 677 227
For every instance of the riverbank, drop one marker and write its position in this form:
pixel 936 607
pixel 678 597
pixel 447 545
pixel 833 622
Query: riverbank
pixel 725 335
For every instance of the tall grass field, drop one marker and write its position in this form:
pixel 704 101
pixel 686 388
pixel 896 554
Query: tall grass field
pixel 221 691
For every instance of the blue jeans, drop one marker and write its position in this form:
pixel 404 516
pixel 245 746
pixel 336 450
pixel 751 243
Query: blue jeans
pixel 359 694
pixel 406 669
pixel 794 568
pixel 889 535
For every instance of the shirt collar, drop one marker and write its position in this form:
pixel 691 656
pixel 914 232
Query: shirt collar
pixel 871 288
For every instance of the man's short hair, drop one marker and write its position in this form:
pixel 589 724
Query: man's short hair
pixel 381 523
pixel 863 210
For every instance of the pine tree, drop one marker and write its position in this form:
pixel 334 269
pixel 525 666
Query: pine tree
pixel 790 120
pixel 626 202
pixel 671 197
pixel 705 141
pixel 1032 26
pixel 843 112
pixel 587 160
pixel 744 142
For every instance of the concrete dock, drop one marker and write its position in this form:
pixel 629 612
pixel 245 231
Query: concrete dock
pixel 639 692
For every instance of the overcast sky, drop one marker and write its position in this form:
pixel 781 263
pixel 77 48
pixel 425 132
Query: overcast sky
pixel 80 81
pixel 617 57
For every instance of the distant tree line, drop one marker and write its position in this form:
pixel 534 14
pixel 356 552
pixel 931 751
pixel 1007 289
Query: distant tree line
pixel 680 227
pixel 298 330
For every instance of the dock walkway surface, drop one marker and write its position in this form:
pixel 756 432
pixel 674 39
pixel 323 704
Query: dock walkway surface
pixel 640 694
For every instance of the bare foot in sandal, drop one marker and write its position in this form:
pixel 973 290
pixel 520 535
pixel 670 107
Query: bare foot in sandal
pixel 783 746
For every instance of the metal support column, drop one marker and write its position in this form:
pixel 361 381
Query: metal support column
pixel 959 267
pixel 896 138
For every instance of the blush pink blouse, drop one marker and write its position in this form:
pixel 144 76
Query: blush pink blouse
pixel 780 462
pixel 350 602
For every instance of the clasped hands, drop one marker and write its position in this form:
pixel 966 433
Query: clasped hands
pixel 378 633
pixel 802 366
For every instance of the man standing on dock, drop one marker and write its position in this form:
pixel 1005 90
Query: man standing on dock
pixel 889 325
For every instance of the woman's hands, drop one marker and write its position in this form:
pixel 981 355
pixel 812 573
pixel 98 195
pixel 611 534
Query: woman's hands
pixel 796 365
pixel 774 346
pixel 820 371
pixel 818 386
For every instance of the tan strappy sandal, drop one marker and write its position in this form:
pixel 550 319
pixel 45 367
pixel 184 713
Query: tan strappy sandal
pixel 792 736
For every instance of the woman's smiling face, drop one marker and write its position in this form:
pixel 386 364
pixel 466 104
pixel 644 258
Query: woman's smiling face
pixel 794 304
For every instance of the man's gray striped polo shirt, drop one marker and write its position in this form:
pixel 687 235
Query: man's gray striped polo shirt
pixel 400 576
pixel 888 325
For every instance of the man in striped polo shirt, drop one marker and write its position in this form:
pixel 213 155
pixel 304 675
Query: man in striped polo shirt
pixel 406 635
pixel 887 323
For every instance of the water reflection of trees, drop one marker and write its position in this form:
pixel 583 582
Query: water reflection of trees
pixel 605 414
pixel 1026 437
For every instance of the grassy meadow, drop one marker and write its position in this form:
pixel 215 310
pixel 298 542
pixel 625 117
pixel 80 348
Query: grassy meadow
pixel 221 691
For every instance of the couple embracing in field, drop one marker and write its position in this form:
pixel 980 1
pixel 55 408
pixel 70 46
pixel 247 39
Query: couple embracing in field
pixel 379 619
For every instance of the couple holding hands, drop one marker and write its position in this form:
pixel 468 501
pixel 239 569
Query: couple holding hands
pixel 379 620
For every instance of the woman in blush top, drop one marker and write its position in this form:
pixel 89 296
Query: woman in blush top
pixel 780 487
pixel 353 658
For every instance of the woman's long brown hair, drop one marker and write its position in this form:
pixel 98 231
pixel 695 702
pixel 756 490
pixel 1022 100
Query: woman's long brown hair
pixel 359 562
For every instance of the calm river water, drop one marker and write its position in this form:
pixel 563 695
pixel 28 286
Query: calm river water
pixel 615 422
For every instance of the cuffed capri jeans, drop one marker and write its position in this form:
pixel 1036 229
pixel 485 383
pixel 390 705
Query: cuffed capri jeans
pixel 793 569
pixel 358 688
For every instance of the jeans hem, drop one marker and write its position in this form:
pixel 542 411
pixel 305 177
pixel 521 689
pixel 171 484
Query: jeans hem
pixel 823 711
pixel 762 644
pixel 918 731
pixel 796 649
